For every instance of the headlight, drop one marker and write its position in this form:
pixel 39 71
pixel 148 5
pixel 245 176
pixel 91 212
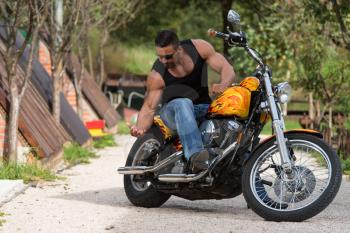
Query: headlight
pixel 283 92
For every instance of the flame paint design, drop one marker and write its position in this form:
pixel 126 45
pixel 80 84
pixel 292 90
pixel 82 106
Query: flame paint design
pixel 251 83
pixel 235 101
pixel 167 133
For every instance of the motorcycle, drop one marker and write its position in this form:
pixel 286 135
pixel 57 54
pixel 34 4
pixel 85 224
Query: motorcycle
pixel 289 176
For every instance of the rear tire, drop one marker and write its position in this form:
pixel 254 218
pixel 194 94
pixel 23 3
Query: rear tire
pixel 143 195
pixel 292 213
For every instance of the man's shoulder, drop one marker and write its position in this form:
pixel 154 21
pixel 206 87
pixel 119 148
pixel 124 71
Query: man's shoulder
pixel 203 47
pixel 155 80
pixel 158 67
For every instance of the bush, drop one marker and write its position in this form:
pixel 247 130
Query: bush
pixel 75 154
pixel 123 128
pixel 104 141
pixel 345 164
pixel 27 173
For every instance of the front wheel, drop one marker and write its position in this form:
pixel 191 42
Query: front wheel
pixel 315 180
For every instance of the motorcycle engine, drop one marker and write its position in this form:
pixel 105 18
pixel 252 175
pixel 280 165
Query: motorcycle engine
pixel 219 132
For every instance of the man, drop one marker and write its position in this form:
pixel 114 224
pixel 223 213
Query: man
pixel 179 79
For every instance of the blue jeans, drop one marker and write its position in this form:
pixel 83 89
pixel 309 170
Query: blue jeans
pixel 182 115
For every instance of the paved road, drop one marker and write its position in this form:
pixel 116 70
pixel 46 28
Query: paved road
pixel 92 199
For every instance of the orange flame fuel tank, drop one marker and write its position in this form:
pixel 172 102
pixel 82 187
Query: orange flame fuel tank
pixel 234 101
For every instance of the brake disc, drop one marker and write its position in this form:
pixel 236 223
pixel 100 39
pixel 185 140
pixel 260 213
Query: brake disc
pixel 298 189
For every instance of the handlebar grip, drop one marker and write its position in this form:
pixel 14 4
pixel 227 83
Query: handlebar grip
pixel 213 33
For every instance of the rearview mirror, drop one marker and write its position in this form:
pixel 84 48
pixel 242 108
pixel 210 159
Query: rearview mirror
pixel 234 18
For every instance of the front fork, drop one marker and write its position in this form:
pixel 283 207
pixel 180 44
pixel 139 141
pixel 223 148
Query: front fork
pixel 278 126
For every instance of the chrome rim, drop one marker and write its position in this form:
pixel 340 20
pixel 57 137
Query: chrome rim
pixel 138 185
pixel 311 176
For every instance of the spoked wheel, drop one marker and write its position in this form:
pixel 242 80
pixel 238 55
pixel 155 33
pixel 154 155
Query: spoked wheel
pixel 142 193
pixel 314 182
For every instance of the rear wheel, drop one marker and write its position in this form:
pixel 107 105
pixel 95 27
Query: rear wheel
pixel 315 182
pixel 142 193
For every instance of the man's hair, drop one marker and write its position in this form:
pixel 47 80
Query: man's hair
pixel 165 38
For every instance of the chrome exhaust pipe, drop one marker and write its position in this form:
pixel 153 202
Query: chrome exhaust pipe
pixel 185 178
pixel 175 178
pixel 138 170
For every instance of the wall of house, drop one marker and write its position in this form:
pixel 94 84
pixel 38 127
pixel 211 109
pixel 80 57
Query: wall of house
pixel 68 87
pixel 23 146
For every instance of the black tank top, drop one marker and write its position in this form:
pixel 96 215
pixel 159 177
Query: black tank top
pixel 193 86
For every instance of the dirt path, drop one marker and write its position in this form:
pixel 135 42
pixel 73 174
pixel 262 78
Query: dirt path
pixel 92 199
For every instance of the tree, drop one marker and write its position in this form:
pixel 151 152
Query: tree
pixel 111 16
pixel 322 53
pixel 334 14
pixel 59 29
pixel 28 16
pixel 80 43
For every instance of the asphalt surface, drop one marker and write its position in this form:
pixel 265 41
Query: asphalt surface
pixel 92 199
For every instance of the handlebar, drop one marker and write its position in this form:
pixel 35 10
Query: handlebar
pixel 238 39
pixel 234 38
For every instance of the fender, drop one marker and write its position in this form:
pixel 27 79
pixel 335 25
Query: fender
pixel 307 131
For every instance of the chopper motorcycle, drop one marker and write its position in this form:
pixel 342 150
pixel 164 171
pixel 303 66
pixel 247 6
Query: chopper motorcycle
pixel 289 176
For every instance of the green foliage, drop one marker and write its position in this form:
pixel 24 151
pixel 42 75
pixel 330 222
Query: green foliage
pixel 134 59
pixel 190 19
pixel 266 35
pixel 75 154
pixel 28 173
pixel 345 164
pixel 123 128
pixel 105 141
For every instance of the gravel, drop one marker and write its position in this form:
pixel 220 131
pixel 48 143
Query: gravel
pixel 92 199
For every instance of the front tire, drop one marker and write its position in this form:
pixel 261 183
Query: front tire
pixel 143 194
pixel 274 197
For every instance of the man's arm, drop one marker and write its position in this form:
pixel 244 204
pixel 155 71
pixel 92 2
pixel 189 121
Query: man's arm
pixel 155 85
pixel 217 62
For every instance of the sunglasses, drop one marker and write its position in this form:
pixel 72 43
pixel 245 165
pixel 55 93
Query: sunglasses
pixel 167 56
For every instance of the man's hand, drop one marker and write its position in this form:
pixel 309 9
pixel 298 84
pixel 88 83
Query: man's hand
pixel 137 132
pixel 218 88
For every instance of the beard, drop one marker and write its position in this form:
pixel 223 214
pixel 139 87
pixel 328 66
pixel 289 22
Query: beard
pixel 169 65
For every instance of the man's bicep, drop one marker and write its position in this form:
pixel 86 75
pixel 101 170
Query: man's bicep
pixel 216 61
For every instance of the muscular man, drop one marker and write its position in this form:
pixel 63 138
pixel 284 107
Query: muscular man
pixel 179 81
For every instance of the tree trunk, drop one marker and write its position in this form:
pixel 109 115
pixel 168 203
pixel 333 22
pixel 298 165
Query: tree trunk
pixel 225 7
pixel 56 101
pixel 102 56
pixel 318 115
pixel 311 109
pixel 91 66
pixel 80 102
pixel 330 122
pixel 13 121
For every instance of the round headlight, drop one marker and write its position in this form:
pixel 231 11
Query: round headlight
pixel 284 92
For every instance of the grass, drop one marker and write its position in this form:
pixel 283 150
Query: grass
pixel 2 221
pixel 25 172
pixel 290 124
pixel 131 59
pixel 123 128
pixel 104 141
pixel 75 154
